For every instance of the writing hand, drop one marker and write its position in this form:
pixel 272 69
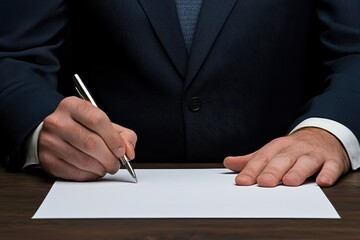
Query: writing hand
pixel 79 142
pixel 292 159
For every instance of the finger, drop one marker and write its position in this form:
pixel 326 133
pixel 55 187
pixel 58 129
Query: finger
pixel 63 150
pixel 130 139
pixel 259 161
pixel 81 138
pixel 91 144
pixel 330 173
pixel 305 166
pixel 61 169
pixel 254 166
pixel 237 163
pixel 277 167
pixel 97 121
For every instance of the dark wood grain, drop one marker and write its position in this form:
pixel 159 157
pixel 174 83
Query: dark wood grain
pixel 21 194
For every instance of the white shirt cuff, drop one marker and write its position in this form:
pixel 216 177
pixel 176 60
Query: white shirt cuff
pixel 345 136
pixel 31 148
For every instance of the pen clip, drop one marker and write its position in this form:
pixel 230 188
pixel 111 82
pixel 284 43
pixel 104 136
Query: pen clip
pixel 79 91
pixel 82 90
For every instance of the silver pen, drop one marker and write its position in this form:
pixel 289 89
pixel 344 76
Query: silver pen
pixel 85 94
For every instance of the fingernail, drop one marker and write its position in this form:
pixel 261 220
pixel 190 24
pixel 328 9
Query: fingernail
pixel 267 179
pixel 244 180
pixel 293 177
pixel 326 180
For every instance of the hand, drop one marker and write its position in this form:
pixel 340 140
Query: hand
pixel 292 159
pixel 79 142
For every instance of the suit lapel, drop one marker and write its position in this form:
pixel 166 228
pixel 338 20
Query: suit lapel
pixel 212 17
pixel 163 16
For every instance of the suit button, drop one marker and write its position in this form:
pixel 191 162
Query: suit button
pixel 194 104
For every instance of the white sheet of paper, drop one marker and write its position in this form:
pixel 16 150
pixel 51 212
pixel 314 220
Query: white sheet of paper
pixel 181 193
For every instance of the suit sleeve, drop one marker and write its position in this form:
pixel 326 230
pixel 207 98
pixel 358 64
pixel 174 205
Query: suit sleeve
pixel 339 31
pixel 31 39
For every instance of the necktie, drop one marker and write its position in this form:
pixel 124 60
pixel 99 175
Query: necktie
pixel 188 12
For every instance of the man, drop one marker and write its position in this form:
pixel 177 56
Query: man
pixel 274 83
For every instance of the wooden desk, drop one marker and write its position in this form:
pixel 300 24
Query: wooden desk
pixel 21 195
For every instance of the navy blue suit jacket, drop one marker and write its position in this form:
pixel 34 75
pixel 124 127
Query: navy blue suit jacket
pixel 256 68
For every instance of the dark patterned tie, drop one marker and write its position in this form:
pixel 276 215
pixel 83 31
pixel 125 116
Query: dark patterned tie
pixel 188 12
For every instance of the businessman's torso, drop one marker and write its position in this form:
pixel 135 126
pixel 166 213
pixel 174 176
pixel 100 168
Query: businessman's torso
pixel 243 82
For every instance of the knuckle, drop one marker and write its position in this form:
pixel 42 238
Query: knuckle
pixel 51 122
pixel 44 158
pixel 285 157
pixel 319 150
pixel 282 141
pixel 250 171
pixel 332 169
pixel 96 118
pixel 67 103
pixel 261 157
pixel 337 165
pixel 273 170
pixel 299 170
pixel 133 136
pixel 318 160
pixel 90 143
pixel 45 141
pixel 46 145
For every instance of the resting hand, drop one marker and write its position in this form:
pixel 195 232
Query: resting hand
pixel 79 142
pixel 292 159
